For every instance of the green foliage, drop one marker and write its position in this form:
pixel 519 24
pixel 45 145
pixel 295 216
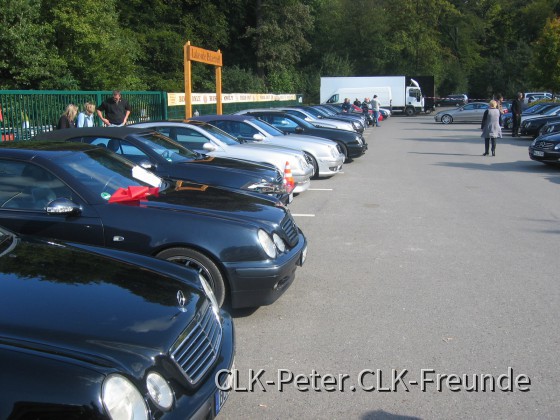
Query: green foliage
pixel 235 80
pixel 27 58
pixel 479 47
pixel 547 69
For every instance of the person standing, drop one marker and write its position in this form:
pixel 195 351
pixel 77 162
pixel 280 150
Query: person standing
pixel 85 118
pixel 375 107
pixel 490 126
pixel 366 107
pixel 516 110
pixel 66 120
pixel 346 105
pixel 117 110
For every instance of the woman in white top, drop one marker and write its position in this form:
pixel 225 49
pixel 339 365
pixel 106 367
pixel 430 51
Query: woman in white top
pixel 85 118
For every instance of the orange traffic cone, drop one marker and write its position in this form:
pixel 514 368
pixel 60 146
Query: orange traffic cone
pixel 288 178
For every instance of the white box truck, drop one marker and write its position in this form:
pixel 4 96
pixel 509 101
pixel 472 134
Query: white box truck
pixel 384 95
pixel 406 93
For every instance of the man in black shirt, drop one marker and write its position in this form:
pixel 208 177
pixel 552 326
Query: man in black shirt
pixel 516 109
pixel 116 110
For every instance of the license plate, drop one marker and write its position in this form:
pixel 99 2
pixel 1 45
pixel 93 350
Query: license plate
pixel 538 153
pixel 220 396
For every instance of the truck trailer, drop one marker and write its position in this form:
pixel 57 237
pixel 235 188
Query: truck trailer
pixel 406 93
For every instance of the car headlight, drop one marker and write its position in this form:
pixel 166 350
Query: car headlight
pixel 122 400
pixel 279 242
pixel 267 243
pixel 557 147
pixel 266 187
pixel 359 139
pixel 159 390
pixel 334 152
pixel 210 294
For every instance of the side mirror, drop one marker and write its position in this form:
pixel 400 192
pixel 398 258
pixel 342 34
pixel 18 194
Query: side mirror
pixel 209 147
pixel 258 137
pixel 299 130
pixel 63 206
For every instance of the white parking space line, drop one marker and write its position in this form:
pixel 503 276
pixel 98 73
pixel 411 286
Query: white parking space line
pixel 302 215
pixel 319 189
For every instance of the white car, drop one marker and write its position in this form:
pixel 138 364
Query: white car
pixel 325 155
pixel 205 138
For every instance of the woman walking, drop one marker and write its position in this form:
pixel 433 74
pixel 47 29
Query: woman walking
pixel 490 126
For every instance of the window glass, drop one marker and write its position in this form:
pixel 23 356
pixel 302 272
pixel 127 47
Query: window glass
pixel 28 186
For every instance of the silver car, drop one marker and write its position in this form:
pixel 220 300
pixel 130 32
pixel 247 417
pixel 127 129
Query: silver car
pixel 325 155
pixel 205 138
pixel 472 112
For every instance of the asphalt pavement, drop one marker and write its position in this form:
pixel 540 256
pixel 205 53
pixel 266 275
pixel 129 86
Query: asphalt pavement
pixel 430 291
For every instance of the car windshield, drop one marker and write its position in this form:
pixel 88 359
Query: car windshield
pixel 102 173
pixel 535 108
pixel 269 129
pixel 221 135
pixel 314 112
pixel 169 149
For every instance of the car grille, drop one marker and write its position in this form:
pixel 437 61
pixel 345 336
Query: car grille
pixel 290 229
pixel 197 351
pixel 544 145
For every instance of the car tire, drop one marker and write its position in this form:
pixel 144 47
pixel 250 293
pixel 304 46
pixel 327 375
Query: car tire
pixel 409 112
pixel 344 151
pixel 315 166
pixel 202 264
pixel 446 119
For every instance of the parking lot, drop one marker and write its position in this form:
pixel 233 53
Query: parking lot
pixel 426 260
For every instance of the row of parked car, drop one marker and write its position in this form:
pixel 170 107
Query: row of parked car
pixel 92 324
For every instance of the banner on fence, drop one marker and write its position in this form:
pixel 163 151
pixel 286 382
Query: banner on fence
pixel 175 99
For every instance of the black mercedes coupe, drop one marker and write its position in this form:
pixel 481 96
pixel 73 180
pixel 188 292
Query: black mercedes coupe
pixel 246 245
pixel 95 333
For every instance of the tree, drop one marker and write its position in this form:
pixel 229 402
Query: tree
pixel 27 58
pixel 97 50
pixel 547 57
pixel 279 38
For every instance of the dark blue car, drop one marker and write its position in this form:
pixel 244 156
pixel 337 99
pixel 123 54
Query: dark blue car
pixel 168 158
pixel 92 333
pixel 246 245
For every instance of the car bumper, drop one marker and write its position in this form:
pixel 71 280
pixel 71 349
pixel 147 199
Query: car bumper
pixel 544 155
pixel 356 150
pixel 262 283
pixel 529 131
pixel 302 180
pixel 208 399
pixel 329 167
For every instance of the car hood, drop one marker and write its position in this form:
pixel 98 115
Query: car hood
pixel 219 202
pixel 61 300
pixel 229 165
pixel 306 139
pixel 269 148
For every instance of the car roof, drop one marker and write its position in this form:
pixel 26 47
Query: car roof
pixel 116 132
pixel 228 117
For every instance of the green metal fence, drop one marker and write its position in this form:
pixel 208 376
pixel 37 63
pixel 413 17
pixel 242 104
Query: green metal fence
pixel 24 114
